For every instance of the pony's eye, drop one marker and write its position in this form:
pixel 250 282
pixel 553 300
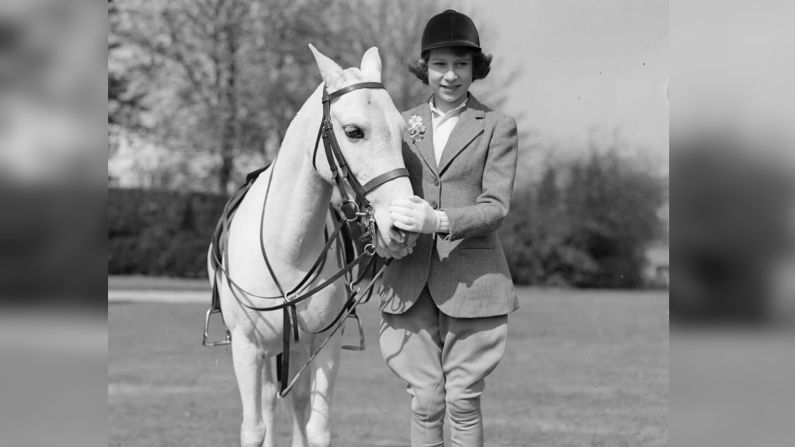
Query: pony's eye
pixel 354 132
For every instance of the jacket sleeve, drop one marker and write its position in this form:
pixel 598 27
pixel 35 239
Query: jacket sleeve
pixel 492 205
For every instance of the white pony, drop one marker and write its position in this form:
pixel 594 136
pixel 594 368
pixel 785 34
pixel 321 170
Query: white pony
pixel 369 130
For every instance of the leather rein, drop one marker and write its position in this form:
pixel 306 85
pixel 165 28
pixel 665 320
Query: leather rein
pixel 355 208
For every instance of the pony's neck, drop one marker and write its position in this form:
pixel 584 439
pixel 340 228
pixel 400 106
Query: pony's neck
pixel 299 199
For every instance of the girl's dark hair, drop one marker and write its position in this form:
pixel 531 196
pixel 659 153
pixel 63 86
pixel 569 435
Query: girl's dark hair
pixel 481 63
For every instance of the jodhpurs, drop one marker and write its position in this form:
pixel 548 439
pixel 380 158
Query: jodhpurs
pixel 445 361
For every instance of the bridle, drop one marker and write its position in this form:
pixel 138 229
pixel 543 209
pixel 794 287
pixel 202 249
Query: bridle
pixel 354 201
pixel 355 207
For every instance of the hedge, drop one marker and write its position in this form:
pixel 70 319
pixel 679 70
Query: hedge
pixel 163 233
pixel 590 229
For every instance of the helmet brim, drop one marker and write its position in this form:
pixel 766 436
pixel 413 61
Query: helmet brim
pixel 451 43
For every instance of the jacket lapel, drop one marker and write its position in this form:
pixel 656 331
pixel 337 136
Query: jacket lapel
pixel 425 145
pixel 470 124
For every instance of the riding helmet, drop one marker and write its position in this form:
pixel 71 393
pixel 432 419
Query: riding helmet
pixel 450 29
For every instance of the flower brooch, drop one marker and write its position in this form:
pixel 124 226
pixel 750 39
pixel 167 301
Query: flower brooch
pixel 416 128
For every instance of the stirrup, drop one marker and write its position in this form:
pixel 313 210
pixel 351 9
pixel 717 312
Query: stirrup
pixel 361 346
pixel 205 338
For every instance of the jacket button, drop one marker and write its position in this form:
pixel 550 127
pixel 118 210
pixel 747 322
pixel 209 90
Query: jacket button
pixel 434 205
pixel 436 182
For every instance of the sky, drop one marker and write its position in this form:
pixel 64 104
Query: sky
pixel 586 66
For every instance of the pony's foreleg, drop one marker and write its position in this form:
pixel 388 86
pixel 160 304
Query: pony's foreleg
pixel 299 400
pixel 324 374
pixel 248 362
pixel 269 390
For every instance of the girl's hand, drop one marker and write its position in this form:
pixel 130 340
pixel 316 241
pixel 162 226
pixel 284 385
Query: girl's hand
pixel 415 215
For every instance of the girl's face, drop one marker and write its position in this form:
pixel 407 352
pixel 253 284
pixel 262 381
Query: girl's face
pixel 449 75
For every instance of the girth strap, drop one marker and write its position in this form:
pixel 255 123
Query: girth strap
pixel 283 359
pixel 289 328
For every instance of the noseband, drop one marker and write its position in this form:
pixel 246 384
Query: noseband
pixel 354 201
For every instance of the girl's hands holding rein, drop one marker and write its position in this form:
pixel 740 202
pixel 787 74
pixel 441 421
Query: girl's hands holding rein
pixel 402 244
pixel 414 214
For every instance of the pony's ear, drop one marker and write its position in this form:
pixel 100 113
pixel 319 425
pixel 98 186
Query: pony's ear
pixel 371 63
pixel 330 71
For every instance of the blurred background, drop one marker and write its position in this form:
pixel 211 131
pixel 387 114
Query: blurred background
pixel 732 178
pixel 201 92
pixel 53 326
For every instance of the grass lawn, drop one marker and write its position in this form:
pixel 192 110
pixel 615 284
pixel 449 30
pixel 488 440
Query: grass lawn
pixel 137 282
pixel 583 368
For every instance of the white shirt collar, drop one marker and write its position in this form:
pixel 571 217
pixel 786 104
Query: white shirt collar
pixel 438 112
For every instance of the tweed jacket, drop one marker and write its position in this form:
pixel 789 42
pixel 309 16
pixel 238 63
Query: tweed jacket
pixel 465 271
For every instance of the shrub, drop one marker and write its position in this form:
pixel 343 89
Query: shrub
pixel 586 224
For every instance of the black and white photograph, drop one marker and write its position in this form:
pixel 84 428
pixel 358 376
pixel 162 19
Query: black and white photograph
pixel 399 223
pixel 376 223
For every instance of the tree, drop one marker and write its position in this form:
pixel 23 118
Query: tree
pixel 227 77
pixel 202 39
pixel 125 102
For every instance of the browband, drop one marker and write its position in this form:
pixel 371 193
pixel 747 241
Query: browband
pixel 350 88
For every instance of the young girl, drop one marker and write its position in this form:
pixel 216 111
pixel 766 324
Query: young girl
pixel 445 305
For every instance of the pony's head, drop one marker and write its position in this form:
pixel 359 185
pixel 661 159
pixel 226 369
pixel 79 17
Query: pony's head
pixel 369 130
